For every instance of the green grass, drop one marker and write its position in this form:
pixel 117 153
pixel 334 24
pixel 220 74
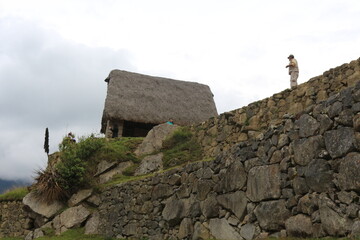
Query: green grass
pixel 72 234
pixel 181 148
pixel 14 194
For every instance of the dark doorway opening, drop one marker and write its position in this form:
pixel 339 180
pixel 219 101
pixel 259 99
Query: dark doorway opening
pixel 115 131
pixel 136 129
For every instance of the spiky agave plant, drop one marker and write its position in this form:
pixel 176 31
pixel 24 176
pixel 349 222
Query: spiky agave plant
pixel 48 186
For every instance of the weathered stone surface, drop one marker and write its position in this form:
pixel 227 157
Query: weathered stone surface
pixel 161 191
pixel 221 229
pixel 186 228
pixel 74 217
pixel 40 207
pixel 235 202
pixel 299 185
pixel 105 177
pixel 263 183
pixel 307 149
pixel 94 200
pixel 38 233
pixel 149 164
pixel 103 166
pixel 325 123
pixel 209 207
pixel 92 225
pixel 271 215
pixel 200 232
pixel 356 122
pixel 308 126
pixel 173 211
pixel 308 204
pixel 333 223
pixel 233 179
pixel 204 187
pixel 345 118
pixel 154 139
pixel 319 176
pixel 299 226
pixel 131 228
pixel 349 172
pixel 339 142
pixel 355 229
pixel 247 231
pixel 79 197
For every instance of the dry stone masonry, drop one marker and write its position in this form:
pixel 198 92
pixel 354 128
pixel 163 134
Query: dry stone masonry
pixel 301 178
pixel 249 122
pixel 288 165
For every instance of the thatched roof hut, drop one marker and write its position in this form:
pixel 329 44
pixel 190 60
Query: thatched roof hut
pixel 135 103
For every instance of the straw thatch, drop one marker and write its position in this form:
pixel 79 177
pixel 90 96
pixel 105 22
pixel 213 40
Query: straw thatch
pixel 146 99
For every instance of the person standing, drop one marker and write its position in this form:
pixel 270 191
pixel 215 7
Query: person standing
pixel 293 71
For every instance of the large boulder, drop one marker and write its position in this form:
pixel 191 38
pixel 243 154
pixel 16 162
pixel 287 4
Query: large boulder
pixel 155 138
pixel 271 215
pixel 308 126
pixel 45 209
pixel 306 149
pixel 173 211
pixel 149 164
pixel 235 202
pixel 333 221
pixel 263 183
pixel 74 217
pixel 107 176
pixel 92 225
pixel 339 142
pixel 299 226
pixel 79 197
pixel 233 179
pixel 349 172
pixel 319 176
pixel 221 229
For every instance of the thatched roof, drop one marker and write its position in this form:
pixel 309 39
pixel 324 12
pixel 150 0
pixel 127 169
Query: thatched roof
pixel 146 99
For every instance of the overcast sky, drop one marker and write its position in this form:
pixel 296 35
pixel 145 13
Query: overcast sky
pixel 55 55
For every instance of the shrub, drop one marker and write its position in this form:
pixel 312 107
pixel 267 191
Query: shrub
pixel 88 147
pixel 76 163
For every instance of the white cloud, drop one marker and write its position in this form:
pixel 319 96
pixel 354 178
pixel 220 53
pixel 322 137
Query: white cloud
pixel 55 54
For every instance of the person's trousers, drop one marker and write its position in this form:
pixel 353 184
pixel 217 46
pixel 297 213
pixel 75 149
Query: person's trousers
pixel 293 79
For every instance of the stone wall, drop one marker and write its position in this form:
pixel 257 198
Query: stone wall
pixel 246 123
pixel 288 165
pixel 300 177
pixel 14 220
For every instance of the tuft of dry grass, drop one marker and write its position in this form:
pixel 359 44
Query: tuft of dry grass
pixel 47 186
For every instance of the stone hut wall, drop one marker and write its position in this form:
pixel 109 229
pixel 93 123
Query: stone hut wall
pixel 300 178
pixel 14 221
pixel 247 123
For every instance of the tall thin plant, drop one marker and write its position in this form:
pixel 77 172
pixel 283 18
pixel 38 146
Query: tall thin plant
pixel 46 142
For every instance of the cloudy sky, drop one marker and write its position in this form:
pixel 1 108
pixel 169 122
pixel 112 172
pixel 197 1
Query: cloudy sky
pixel 55 55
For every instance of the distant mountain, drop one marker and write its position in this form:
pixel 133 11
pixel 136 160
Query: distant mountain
pixel 8 184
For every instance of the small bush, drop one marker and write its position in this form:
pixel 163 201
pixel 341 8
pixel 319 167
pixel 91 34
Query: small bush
pixel 88 147
pixel 76 163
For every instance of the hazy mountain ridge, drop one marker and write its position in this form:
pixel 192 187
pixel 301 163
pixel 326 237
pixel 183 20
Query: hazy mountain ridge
pixel 7 184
